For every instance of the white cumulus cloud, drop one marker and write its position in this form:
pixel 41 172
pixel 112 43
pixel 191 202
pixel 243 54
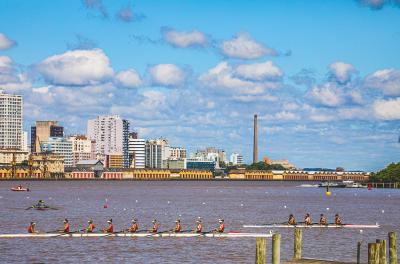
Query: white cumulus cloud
pixel 167 75
pixel 77 67
pixel 327 95
pixel 129 78
pixel 185 39
pixel 387 109
pixel 243 46
pixel 259 71
pixel 387 80
pixel 341 72
pixel 5 42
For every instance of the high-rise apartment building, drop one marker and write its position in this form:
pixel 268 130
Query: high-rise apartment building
pixel 24 141
pixel 236 159
pixel 137 153
pixel 111 134
pixel 82 149
pixel 59 146
pixel 42 132
pixel 157 150
pixel 11 112
pixel 177 153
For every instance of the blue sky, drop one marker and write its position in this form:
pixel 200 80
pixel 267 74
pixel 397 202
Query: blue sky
pixel 323 76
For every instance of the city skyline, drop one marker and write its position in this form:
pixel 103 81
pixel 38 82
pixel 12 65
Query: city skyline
pixel 324 96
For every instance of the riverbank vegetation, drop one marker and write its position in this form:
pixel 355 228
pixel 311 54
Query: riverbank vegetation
pixel 389 174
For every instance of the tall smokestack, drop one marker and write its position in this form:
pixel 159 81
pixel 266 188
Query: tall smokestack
pixel 255 141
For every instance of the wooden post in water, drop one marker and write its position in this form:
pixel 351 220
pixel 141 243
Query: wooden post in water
pixel 382 250
pixel 358 252
pixel 392 248
pixel 378 252
pixel 261 250
pixel 297 243
pixel 276 248
pixel 371 253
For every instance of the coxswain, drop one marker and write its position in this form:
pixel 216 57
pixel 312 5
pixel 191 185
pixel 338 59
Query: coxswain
pixel 292 220
pixel 307 219
pixel 322 220
pixel 31 227
pixel 178 226
pixel 155 227
pixel 90 227
pixel 110 228
pixel 134 227
pixel 221 226
pixel 66 226
pixel 199 226
pixel 338 220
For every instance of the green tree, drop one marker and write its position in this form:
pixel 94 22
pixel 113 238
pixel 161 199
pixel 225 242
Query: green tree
pixel 389 174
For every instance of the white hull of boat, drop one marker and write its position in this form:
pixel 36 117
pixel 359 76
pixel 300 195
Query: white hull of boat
pixel 313 226
pixel 85 235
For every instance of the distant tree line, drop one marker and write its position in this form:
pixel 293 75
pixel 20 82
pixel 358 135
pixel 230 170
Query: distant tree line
pixel 256 166
pixel 389 174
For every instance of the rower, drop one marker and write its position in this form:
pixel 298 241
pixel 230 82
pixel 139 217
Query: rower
pixel 134 228
pixel 221 226
pixel 40 204
pixel 307 219
pixel 110 228
pixel 66 226
pixel 178 226
pixel 322 220
pixel 31 227
pixel 338 220
pixel 292 220
pixel 91 227
pixel 155 227
pixel 199 226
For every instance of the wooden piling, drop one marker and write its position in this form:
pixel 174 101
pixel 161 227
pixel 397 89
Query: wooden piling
pixel 358 252
pixel 382 251
pixel 371 253
pixel 377 253
pixel 276 248
pixel 392 248
pixel 261 250
pixel 298 233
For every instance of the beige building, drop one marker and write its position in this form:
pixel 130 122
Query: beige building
pixel 7 156
pixel 82 149
pixel 51 165
pixel 114 160
pixel 42 132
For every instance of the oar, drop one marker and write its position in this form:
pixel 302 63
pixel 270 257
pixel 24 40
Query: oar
pixel 30 207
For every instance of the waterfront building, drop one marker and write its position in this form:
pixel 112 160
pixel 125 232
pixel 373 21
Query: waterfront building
pixel 20 172
pixel 284 163
pixel 42 131
pixel 10 156
pixel 211 154
pixel 11 118
pixel 51 165
pixel 157 150
pixel 177 153
pixel 193 164
pixel 137 153
pixel 82 148
pixel 111 134
pixel 236 159
pixel 114 160
pixel 59 146
pixel 174 164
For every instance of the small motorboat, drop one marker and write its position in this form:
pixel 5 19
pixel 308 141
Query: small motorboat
pixel 20 189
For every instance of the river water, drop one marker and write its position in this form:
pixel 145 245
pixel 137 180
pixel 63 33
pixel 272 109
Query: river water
pixel 238 203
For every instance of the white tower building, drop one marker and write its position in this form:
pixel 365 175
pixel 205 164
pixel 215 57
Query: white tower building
pixel 11 111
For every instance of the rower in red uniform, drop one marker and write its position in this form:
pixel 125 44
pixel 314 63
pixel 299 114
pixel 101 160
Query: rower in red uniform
pixel 307 219
pixel 338 220
pixel 135 227
pixel 221 226
pixel 31 228
pixel 110 228
pixel 199 226
pixel 178 226
pixel 155 227
pixel 91 227
pixel 66 226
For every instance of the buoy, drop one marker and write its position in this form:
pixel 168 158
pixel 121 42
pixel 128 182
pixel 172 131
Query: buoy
pixel 105 206
pixel 328 193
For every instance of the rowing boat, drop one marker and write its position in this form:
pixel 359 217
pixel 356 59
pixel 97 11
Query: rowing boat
pixel 313 226
pixel 84 235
